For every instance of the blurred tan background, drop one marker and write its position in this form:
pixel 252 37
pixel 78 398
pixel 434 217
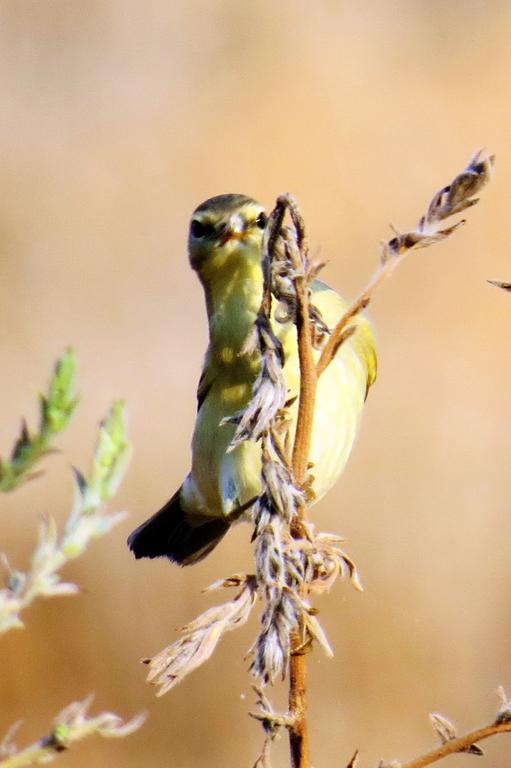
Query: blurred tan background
pixel 117 119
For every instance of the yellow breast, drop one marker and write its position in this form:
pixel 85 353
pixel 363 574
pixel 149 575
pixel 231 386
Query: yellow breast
pixel 224 481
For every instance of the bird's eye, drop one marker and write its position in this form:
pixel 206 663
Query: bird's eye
pixel 200 229
pixel 261 220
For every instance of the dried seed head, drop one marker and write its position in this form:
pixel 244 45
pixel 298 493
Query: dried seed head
pixel 504 711
pixel 200 637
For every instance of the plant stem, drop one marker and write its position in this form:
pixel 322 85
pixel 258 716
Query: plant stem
pixel 338 335
pixel 308 382
pixel 298 730
pixel 460 744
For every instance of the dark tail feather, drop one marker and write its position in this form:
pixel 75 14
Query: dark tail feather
pixel 170 533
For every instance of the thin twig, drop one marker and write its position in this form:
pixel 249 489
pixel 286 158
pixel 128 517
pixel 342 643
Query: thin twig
pixel 450 200
pixel 460 744
pixel 338 335
pixel 451 743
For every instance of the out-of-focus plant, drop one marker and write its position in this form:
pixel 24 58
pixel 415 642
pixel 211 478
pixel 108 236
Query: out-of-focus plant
pixel 69 726
pixel 87 520
pixel 292 561
pixel 503 284
pixel 56 409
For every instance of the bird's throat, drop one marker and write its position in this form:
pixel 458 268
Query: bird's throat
pixel 233 297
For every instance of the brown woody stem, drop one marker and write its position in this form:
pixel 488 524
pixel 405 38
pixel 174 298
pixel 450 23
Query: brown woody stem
pixel 460 744
pixel 298 730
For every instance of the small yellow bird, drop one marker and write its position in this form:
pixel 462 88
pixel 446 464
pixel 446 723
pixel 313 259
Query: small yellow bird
pixel 225 250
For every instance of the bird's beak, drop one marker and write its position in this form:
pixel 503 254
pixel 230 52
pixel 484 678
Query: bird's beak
pixel 234 229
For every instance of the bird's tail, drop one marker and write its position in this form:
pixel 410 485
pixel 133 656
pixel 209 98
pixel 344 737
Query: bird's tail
pixel 174 534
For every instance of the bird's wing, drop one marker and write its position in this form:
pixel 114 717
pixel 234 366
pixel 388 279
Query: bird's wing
pixel 206 381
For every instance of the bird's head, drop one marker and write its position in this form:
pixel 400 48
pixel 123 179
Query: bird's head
pixel 225 231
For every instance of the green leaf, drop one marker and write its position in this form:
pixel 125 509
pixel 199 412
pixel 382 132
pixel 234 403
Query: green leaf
pixel 111 455
pixel 56 408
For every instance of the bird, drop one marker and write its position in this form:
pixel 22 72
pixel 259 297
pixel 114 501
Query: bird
pixel 225 250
